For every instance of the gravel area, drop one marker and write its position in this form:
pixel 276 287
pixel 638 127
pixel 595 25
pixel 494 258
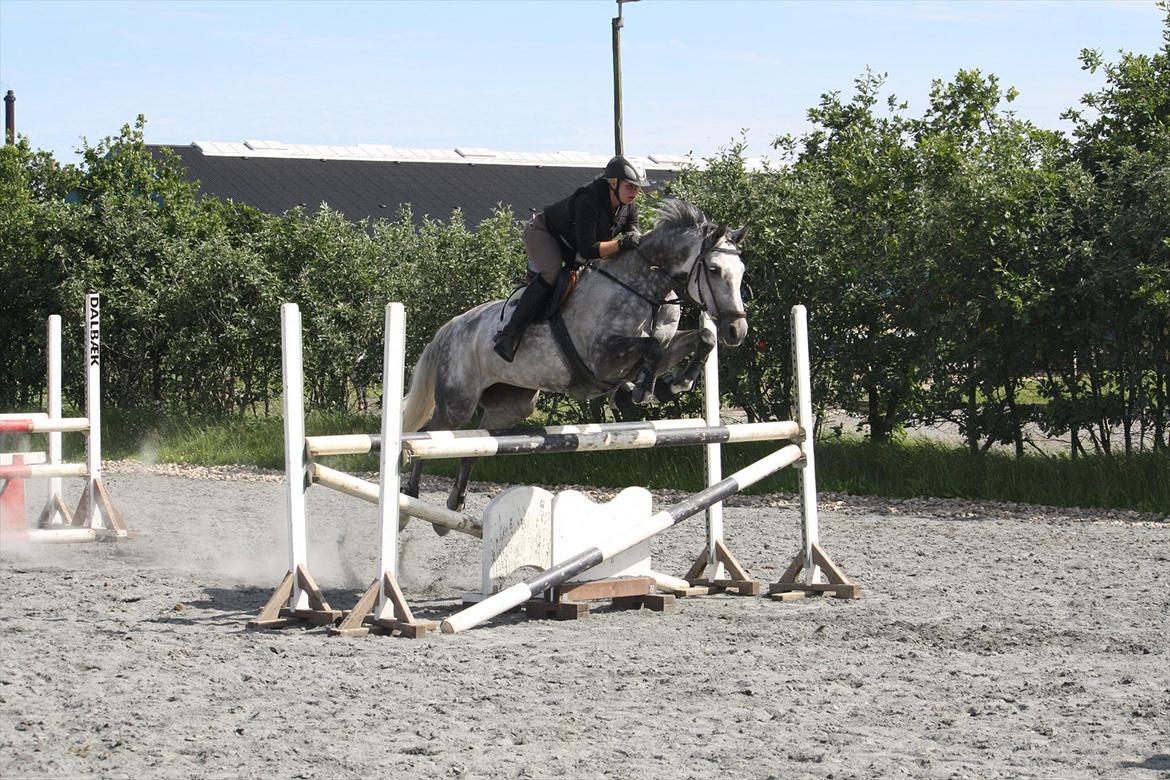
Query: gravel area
pixel 990 640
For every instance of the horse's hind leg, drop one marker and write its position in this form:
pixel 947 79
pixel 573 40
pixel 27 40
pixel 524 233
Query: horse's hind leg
pixel 452 411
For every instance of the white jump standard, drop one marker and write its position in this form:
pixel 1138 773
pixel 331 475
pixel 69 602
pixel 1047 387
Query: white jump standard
pixel 96 518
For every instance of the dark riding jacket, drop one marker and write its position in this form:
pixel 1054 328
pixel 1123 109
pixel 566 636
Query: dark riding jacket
pixel 583 220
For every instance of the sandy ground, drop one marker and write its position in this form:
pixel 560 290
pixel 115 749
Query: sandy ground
pixel 989 641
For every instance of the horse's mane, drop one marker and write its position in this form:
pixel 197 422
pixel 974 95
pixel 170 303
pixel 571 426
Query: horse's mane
pixel 673 220
pixel 675 214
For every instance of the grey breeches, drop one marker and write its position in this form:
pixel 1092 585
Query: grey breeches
pixel 544 251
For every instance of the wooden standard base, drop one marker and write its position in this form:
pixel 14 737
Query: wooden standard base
pixel 740 582
pixel 362 620
pixel 568 600
pixel 790 588
pixel 104 507
pixel 276 613
pixel 57 513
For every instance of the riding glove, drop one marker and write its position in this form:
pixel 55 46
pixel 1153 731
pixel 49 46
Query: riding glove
pixel 629 241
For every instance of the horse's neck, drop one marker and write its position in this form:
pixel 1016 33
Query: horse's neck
pixel 637 269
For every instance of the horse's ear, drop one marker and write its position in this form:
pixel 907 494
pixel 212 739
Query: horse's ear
pixel 737 235
pixel 712 236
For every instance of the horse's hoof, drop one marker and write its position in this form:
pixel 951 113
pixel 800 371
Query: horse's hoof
pixel 622 398
pixel 441 530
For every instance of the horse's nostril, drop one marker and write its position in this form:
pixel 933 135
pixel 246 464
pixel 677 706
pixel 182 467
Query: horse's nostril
pixel 734 331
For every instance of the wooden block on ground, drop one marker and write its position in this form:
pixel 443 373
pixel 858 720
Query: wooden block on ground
pixel 740 587
pixel 604 589
pixel 539 609
pixel 320 617
pixel 839 591
pixel 657 602
pixel 794 595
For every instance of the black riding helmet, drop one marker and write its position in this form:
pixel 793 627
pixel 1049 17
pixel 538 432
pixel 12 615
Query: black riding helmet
pixel 623 170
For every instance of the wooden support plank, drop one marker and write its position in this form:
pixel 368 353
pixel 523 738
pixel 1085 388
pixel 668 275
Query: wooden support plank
pixel 270 613
pixel 402 611
pixel 55 508
pixel 317 602
pixel 594 590
pixel 106 507
pixel 697 568
pixel 354 621
pixel 738 572
pixel 82 511
pixel 822 559
pixel 793 569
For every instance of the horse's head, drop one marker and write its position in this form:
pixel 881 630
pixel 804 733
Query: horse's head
pixel 715 278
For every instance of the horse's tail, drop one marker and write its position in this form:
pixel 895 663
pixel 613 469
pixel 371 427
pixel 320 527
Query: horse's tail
pixel 419 403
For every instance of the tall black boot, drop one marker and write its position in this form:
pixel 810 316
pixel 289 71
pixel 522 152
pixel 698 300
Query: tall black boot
pixel 532 302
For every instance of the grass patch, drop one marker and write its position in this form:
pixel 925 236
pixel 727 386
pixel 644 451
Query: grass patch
pixel 908 469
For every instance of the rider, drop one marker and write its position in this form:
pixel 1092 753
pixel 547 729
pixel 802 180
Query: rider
pixel 598 220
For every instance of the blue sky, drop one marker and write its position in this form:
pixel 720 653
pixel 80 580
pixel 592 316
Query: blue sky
pixel 524 76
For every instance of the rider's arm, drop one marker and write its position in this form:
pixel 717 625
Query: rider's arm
pixel 588 217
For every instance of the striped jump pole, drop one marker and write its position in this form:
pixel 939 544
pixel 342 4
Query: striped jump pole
pixel 364 443
pixel 517 594
pixel 538 443
pixel 567 438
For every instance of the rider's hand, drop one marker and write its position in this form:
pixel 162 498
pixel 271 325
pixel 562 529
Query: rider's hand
pixel 629 241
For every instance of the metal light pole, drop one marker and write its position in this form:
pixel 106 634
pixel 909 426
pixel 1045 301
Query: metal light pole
pixel 617 78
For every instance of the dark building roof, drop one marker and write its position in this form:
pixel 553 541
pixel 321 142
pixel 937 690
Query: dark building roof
pixel 373 182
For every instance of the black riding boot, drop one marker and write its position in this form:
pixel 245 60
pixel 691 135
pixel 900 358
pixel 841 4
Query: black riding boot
pixel 532 302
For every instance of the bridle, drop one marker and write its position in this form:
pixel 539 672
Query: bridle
pixel 680 285
pixel 700 271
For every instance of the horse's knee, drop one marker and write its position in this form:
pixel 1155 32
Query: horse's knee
pixel 707 340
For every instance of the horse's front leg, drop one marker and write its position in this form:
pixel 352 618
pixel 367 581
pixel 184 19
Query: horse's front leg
pixel 411 489
pixel 696 343
pixel 458 492
pixel 633 356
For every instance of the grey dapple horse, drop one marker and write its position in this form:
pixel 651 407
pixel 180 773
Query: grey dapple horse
pixel 622 319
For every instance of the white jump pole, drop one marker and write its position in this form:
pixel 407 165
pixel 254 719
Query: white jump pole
pixel 714 452
pixel 54 372
pixel 93 407
pixel 808 478
pixel 295 465
pixel 393 371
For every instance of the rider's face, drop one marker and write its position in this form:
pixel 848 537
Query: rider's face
pixel 628 192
